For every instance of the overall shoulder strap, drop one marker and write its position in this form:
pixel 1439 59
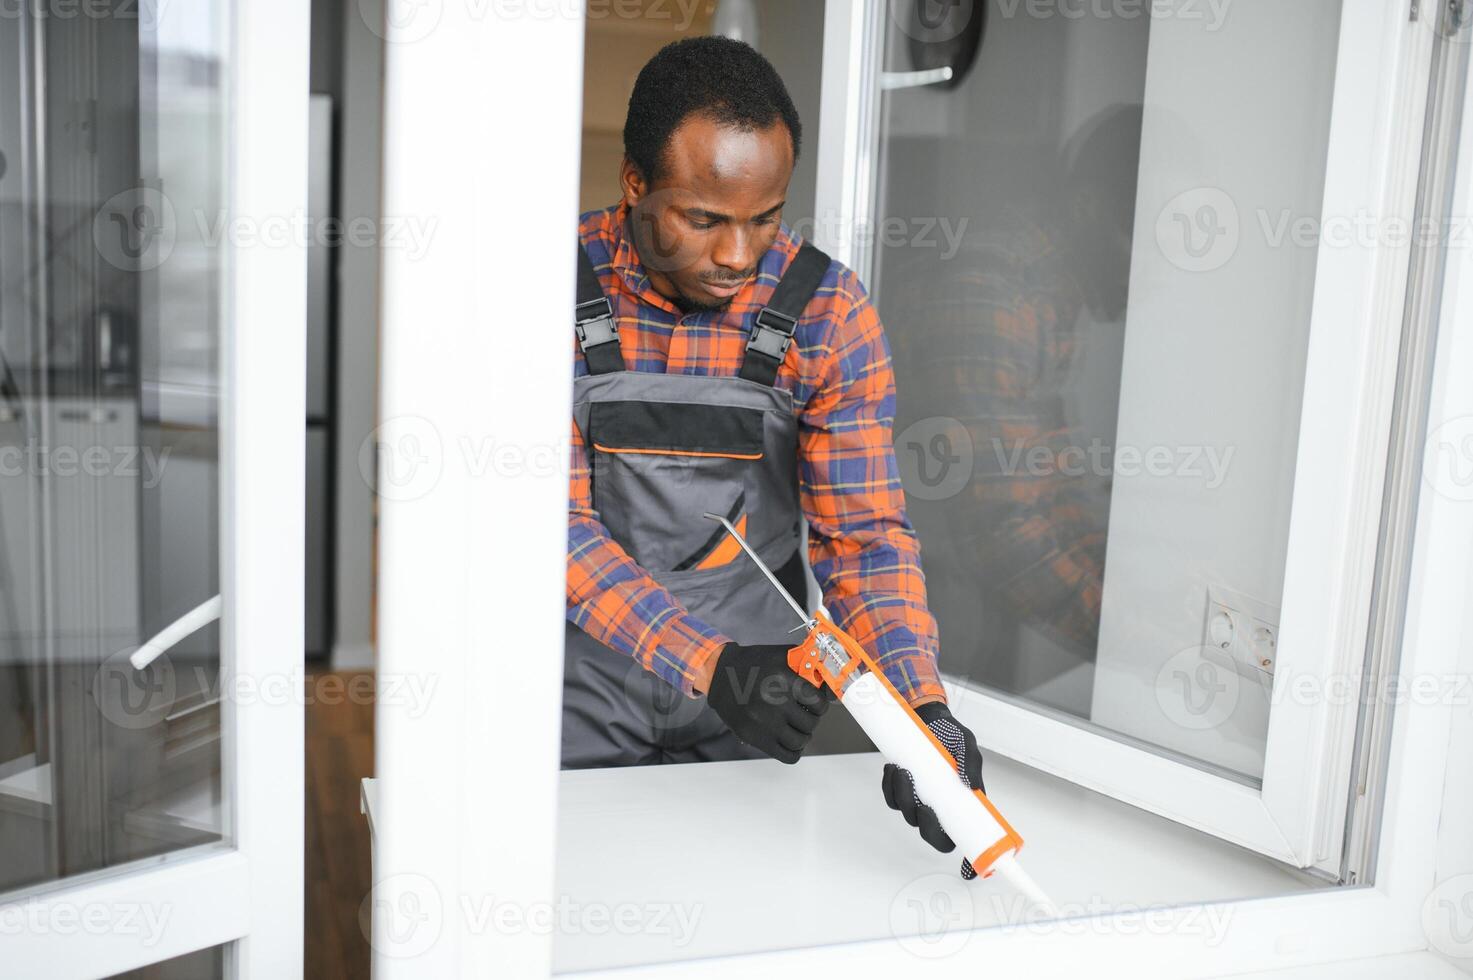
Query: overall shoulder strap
pixel 772 328
pixel 593 320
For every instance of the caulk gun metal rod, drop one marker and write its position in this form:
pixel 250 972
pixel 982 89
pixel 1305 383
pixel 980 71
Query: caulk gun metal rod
pixel 803 615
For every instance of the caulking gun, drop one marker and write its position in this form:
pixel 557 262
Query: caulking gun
pixel 830 656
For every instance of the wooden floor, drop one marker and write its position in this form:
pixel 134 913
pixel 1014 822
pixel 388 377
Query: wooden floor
pixel 339 754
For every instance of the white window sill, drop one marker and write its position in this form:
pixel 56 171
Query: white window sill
pixel 1411 966
pixel 759 856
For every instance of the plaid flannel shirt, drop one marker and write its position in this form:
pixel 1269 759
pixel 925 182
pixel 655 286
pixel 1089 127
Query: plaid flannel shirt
pixel 861 545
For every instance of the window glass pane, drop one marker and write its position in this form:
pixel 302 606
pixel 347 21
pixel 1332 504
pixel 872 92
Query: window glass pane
pixel 111 193
pixel 204 964
pixel 1094 257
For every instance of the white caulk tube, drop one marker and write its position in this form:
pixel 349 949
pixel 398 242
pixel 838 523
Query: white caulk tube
pixel 979 832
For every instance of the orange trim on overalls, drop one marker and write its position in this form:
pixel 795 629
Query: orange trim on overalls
pixel 727 550
pixel 676 452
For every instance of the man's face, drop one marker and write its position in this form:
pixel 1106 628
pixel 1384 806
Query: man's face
pixel 714 211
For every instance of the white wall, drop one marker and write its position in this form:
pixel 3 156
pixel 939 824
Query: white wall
pixel 1237 115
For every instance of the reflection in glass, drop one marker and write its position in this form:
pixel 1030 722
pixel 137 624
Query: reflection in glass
pixel 1099 346
pixel 204 964
pixel 111 189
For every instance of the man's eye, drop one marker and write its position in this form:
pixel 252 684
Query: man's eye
pixel 702 225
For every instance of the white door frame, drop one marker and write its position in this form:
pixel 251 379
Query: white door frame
pixel 848 118
pixel 248 888
pixel 482 126
pixel 1342 454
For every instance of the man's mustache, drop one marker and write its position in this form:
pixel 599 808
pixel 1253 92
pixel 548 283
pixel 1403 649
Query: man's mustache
pixel 713 281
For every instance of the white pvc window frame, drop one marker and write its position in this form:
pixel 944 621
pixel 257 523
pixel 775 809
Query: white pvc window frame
pixel 247 890
pixel 482 128
pixel 1296 816
pixel 476 348
pixel 1327 925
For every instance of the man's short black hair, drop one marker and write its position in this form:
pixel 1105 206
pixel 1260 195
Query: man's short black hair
pixel 725 79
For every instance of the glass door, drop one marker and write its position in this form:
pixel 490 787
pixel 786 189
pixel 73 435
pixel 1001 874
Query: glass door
pixel 1142 284
pixel 111 512
pixel 138 411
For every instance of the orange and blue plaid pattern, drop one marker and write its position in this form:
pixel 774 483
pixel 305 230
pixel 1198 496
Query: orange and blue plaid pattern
pixel 861 545
pixel 994 339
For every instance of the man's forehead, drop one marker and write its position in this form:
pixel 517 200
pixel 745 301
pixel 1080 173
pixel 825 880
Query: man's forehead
pixel 743 170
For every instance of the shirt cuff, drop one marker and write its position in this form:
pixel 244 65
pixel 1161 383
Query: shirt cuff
pixel 691 650
pixel 703 668
pixel 924 684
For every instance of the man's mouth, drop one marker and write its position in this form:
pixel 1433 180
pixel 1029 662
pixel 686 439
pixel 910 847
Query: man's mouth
pixel 724 290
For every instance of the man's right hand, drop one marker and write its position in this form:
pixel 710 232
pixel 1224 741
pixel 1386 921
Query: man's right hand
pixel 764 702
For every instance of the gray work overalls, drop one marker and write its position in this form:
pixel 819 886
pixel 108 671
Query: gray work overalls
pixel 663 450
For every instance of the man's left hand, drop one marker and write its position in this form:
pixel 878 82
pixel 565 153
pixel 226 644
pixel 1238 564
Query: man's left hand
pixel 900 791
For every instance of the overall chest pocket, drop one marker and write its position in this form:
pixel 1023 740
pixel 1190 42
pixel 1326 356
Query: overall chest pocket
pixel 658 467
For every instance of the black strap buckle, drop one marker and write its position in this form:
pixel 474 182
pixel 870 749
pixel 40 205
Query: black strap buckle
pixel 594 323
pixel 772 339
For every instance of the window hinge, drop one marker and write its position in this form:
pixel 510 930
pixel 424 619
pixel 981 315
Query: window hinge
pixel 1457 16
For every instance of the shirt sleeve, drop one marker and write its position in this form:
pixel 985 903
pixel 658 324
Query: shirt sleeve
pixel 861 544
pixel 615 601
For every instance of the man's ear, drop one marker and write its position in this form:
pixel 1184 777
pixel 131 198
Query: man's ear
pixel 632 182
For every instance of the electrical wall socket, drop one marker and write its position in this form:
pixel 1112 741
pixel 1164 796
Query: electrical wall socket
pixel 1241 631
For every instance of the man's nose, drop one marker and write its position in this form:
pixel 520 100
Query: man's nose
pixel 734 250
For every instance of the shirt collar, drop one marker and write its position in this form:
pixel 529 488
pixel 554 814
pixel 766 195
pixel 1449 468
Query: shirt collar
pixel 626 264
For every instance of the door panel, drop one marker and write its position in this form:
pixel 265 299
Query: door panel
pixel 149 391
pixel 110 109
